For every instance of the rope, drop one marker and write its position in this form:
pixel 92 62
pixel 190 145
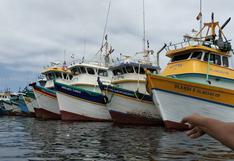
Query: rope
pixel 135 93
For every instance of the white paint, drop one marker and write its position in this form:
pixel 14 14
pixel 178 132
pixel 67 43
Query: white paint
pixel 47 103
pixel 129 106
pixel 81 107
pixel 175 107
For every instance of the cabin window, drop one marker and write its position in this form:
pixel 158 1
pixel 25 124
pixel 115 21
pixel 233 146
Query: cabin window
pixel 217 59
pixel 124 70
pixel 90 71
pixel 58 75
pixel 206 57
pixel 196 55
pixel 65 76
pixel 225 61
pixel 102 72
pixel 50 76
pixel 212 58
pixel 129 69
pixel 180 57
pixel 117 72
pixel 70 77
pixel 75 71
pixel 142 71
pixel 82 70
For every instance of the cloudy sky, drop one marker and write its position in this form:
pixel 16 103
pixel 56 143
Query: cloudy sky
pixel 34 33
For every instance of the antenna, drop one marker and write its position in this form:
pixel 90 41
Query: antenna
pixel 64 55
pixel 144 49
pixel 84 46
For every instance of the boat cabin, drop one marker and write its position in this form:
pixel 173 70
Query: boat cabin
pixel 133 68
pixel 202 59
pixel 89 69
pixel 59 74
pixel 4 96
pixel 85 75
pixel 131 75
pixel 214 58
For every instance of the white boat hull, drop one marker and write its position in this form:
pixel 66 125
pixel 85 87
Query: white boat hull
pixel 48 105
pixel 73 108
pixel 132 111
pixel 174 107
pixel 7 106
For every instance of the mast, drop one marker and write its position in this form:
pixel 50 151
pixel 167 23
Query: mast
pixel 200 13
pixel 105 28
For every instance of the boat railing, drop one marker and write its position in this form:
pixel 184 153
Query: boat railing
pixel 189 42
pixel 78 61
pixel 131 60
pixel 53 64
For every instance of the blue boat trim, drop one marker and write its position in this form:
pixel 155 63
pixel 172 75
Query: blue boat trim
pixel 81 93
pixel 22 105
pixel 223 104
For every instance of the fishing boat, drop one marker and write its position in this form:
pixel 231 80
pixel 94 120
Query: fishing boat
pixel 16 107
pixel 30 101
pixel 128 100
pixel 46 95
pixel 21 104
pixel 5 103
pixel 198 79
pixel 83 100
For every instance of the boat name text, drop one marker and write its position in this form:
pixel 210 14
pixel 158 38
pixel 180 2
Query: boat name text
pixel 196 90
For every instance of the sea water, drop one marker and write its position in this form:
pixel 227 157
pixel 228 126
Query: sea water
pixel 23 139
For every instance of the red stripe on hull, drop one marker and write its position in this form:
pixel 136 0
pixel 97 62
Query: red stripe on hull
pixel 131 119
pixel 38 112
pixel 171 125
pixel 47 115
pixel 68 116
pixel 44 92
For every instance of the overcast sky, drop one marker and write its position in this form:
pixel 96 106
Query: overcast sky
pixel 34 33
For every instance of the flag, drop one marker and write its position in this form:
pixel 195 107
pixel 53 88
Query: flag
pixel 199 16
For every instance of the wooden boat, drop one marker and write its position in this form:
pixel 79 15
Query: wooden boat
pixel 198 79
pixel 46 96
pixel 128 100
pixel 82 100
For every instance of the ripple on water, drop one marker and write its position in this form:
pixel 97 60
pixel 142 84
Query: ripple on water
pixel 30 139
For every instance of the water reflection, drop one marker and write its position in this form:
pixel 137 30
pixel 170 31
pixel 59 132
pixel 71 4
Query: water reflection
pixel 31 139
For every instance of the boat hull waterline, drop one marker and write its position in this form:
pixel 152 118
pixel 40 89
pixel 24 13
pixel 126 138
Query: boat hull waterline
pixel 129 107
